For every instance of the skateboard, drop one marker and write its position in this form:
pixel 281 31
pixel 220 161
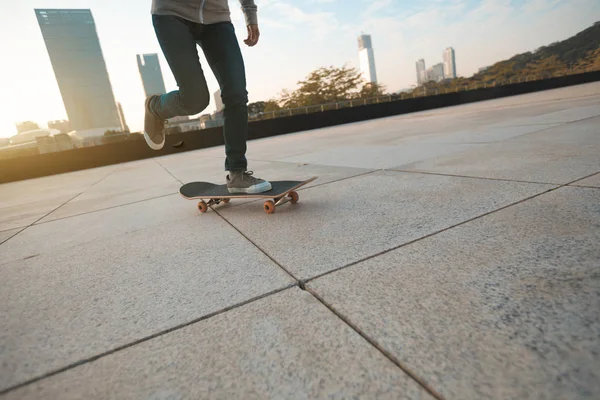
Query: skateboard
pixel 281 192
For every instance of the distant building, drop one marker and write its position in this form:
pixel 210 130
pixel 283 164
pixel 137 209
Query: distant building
pixel 26 126
pixel 178 119
pixel 449 63
pixel 205 117
pixel 436 72
pixel 31 136
pixel 63 125
pixel 367 58
pixel 218 100
pixel 421 71
pixel 151 74
pixel 76 56
pixel 124 127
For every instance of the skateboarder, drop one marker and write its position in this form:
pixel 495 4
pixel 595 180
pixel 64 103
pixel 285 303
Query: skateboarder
pixel 179 26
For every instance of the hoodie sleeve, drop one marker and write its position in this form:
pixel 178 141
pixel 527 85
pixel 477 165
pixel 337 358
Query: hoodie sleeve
pixel 250 11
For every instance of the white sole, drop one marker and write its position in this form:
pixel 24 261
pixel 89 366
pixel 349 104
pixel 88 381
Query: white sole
pixel 153 145
pixel 256 189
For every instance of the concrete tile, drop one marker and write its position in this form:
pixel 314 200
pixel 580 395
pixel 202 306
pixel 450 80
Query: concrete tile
pixel 78 230
pixel 344 221
pixel 252 352
pixel 134 181
pixel 534 162
pixel 592 181
pixel 583 133
pixel 24 202
pixel 4 235
pixel 375 157
pixel 195 166
pixel 504 307
pixel 21 215
pixel 268 149
pixel 325 174
pixel 481 134
pixel 65 306
pixel 567 115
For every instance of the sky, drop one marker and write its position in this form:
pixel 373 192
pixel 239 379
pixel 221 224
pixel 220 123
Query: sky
pixel 297 37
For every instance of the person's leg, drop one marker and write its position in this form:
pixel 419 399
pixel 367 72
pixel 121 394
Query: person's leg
pixel 222 51
pixel 220 46
pixel 177 40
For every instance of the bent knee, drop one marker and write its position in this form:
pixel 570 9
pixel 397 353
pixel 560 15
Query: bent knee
pixel 195 103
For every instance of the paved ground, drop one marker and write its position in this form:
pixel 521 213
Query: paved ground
pixel 446 254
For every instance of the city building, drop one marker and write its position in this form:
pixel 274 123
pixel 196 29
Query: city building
pixel 151 74
pixel 218 100
pixel 436 73
pixel 367 59
pixel 76 56
pixel 124 127
pixel 26 126
pixel 421 71
pixel 31 136
pixel 449 63
pixel 63 125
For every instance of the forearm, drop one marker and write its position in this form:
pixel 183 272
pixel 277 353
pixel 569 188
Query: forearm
pixel 250 10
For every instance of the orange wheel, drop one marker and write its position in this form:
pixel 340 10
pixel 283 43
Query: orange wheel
pixel 269 207
pixel 294 197
pixel 202 207
pixel 226 201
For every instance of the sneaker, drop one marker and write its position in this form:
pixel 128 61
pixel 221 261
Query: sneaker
pixel 244 182
pixel 154 128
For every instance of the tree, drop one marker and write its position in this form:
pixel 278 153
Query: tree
pixel 271 105
pixel 324 85
pixel 371 89
pixel 256 107
pixel 259 107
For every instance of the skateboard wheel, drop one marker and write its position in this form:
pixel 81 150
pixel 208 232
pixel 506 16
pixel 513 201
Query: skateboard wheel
pixel 226 201
pixel 294 197
pixel 269 207
pixel 202 207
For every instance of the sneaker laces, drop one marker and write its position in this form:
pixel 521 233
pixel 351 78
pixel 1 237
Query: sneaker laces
pixel 248 174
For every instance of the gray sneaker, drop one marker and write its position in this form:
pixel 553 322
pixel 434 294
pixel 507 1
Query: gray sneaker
pixel 244 182
pixel 154 128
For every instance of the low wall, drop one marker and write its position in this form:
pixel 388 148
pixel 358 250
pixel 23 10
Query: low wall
pixel 32 166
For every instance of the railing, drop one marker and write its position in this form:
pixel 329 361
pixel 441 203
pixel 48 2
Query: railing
pixel 422 91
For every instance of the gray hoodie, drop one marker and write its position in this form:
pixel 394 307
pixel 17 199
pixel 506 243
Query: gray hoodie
pixel 204 11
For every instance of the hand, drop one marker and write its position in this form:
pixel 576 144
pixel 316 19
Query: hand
pixel 253 35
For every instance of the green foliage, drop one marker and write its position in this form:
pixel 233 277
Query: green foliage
pixel 370 90
pixel 263 106
pixel 329 85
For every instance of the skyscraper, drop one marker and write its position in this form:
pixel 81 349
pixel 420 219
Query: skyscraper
pixel 436 72
pixel 124 126
pixel 76 56
pixel 449 63
pixel 151 74
pixel 421 72
pixel 367 58
pixel 218 100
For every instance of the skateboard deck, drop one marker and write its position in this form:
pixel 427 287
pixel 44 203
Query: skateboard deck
pixel 281 192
